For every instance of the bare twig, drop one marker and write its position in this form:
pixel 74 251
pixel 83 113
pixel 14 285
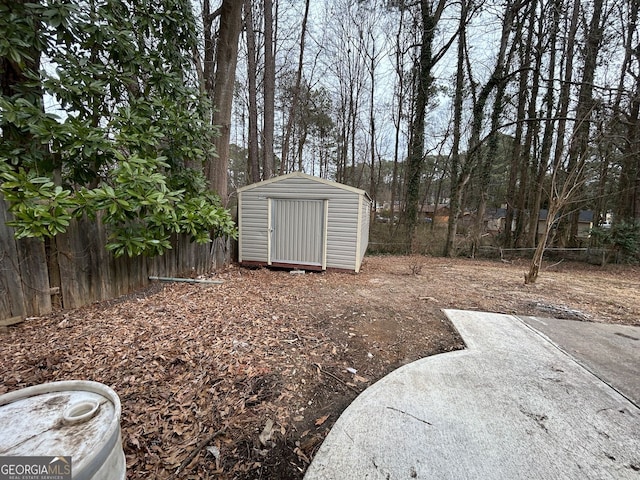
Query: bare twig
pixel 195 452
pixel 554 265
pixel 335 377
pixel 186 280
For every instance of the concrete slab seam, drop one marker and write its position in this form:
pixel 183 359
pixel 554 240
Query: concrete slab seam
pixel 572 358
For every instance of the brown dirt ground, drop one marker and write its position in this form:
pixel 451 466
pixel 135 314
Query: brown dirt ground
pixel 203 371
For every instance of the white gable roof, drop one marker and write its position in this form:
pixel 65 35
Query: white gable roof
pixel 308 177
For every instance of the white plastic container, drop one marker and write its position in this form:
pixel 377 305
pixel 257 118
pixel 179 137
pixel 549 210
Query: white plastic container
pixel 76 418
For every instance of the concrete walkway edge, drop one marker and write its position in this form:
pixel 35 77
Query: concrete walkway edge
pixel 514 404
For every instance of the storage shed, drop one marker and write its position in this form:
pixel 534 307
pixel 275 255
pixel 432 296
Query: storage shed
pixel 301 221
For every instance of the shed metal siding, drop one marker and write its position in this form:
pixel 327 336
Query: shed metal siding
pixel 342 223
pixel 297 231
pixel 365 219
pixel 253 221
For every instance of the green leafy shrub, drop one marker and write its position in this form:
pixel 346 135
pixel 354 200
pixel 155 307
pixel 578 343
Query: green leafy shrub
pixel 129 134
pixel 623 238
pixel 39 207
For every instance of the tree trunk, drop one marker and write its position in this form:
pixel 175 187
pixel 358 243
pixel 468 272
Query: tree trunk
pixel 355 108
pixel 489 153
pixel 224 81
pixel 565 87
pixel 209 48
pixel 454 202
pixel 538 254
pixel 532 127
pixel 252 164
pixel 268 163
pixel 547 138
pixel 473 153
pixel 296 93
pixel 415 160
pixel 627 207
pixel 372 126
pixel 578 149
pixel 399 67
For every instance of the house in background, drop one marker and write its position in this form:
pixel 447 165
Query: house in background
pixel 495 219
pixel 301 221
pixel 439 214
pixel 585 222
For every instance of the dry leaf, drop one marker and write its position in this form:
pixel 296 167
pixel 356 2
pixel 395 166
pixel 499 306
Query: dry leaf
pixel 215 451
pixel 265 436
pixel 301 455
pixel 321 420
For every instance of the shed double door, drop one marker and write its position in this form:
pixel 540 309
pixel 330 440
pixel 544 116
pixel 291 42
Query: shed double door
pixel 297 231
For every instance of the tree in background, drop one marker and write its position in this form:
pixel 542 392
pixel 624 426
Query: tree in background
pixel 625 122
pixel 287 165
pixel 220 82
pixel 252 73
pixel 269 89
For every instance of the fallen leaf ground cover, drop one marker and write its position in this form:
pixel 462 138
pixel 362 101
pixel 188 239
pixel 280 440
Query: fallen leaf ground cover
pixel 245 379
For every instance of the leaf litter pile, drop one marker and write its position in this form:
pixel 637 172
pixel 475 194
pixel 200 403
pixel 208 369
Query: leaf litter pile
pixel 244 379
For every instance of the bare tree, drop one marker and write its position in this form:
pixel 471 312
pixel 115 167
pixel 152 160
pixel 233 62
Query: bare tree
pixel 579 146
pixel 562 193
pixel 487 154
pixel 457 115
pixel 528 85
pixel 348 23
pixel 284 166
pixel 400 98
pixel 430 15
pixel 466 169
pixel 625 125
pixel 550 12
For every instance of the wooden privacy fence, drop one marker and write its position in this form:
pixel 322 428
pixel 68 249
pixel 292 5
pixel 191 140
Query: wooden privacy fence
pixel 75 268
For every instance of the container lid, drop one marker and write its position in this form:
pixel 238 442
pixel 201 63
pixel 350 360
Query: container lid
pixel 80 419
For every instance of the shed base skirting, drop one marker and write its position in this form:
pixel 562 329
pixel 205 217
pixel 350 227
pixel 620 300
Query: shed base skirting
pixel 298 266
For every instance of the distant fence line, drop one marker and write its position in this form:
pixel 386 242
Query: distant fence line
pixel 75 268
pixel 584 254
pixel 596 255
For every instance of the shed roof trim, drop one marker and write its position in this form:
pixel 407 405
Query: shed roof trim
pixel 308 177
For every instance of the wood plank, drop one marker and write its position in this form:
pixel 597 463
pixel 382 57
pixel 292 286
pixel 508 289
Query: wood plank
pixel 11 321
pixel 94 252
pixel 73 266
pixel 11 295
pixel 51 251
pixel 35 276
pixel 66 268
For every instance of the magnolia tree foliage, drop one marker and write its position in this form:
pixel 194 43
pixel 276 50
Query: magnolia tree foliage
pixel 112 125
